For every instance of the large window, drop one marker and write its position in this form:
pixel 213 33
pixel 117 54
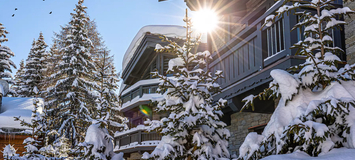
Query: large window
pixel 275 38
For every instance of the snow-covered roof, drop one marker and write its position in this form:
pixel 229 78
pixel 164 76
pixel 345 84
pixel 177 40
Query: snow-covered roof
pixel 167 30
pixel 14 107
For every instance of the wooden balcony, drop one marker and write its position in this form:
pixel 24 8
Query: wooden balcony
pixel 136 141
pixel 135 91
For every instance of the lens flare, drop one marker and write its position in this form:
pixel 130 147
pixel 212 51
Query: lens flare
pixel 204 20
pixel 145 110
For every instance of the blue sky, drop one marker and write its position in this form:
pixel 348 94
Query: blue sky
pixel 118 21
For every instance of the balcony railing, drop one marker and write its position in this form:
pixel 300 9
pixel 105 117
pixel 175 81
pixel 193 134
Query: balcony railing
pixel 140 88
pixel 136 139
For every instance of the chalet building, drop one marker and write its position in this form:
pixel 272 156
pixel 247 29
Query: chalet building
pixel 247 52
pixel 139 88
pixel 11 131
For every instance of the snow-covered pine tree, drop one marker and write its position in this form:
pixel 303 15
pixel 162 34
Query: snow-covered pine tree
pixel 316 111
pixel 193 129
pixel 53 60
pixel 38 126
pixel 69 100
pixel 60 148
pixel 36 65
pixel 5 61
pixel 108 101
pixel 93 34
pixel 19 81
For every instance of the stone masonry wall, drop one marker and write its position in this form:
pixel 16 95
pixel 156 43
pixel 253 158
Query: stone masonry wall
pixel 350 34
pixel 135 156
pixel 239 127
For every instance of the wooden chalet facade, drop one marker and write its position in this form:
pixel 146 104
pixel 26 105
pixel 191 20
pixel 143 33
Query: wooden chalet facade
pixel 241 47
pixel 247 52
pixel 139 88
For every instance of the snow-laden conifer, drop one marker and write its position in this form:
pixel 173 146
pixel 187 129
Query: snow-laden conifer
pixel 36 65
pixel 5 61
pixel 19 81
pixel 70 100
pixel 193 129
pixel 108 101
pixel 316 111
pixel 53 60
pixel 38 127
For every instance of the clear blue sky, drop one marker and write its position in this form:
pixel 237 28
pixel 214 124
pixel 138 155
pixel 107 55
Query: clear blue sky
pixel 118 21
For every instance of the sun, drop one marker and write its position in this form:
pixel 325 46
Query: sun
pixel 204 20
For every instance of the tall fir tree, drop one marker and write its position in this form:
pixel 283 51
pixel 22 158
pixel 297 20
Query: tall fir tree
pixel 54 57
pixel 193 129
pixel 104 61
pixel 19 81
pixel 5 61
pixel 53 60
pixel 35 68
pixel 316 109
pixel 69 101
pixel 108 101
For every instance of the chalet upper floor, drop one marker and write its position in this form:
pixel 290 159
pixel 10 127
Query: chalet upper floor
pixel 246 51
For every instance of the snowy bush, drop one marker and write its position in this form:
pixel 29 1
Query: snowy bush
pixel 316 111
pixel 99 144
pixel 193 129
pixel 9 151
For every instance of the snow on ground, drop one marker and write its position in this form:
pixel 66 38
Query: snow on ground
pixel 335 154
pixel 14 107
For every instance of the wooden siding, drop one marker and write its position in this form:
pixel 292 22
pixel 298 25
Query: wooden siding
pixel 13 139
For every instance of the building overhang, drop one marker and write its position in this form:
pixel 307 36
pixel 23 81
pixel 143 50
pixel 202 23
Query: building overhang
pixel 222 7
pixel 142 56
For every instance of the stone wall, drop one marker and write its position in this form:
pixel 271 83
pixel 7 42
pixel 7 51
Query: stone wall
pixel 350 34
pixel 135 156
pixel 239 127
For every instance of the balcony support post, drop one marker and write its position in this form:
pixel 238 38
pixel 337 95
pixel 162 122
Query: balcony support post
pixel 140 91
pixel 139 137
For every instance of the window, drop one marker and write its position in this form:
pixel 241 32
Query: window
pixel 258 129
pixel 275 38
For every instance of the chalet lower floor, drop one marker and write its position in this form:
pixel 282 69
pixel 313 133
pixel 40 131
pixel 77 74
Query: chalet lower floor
pixel 241 124
pixel 14 139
